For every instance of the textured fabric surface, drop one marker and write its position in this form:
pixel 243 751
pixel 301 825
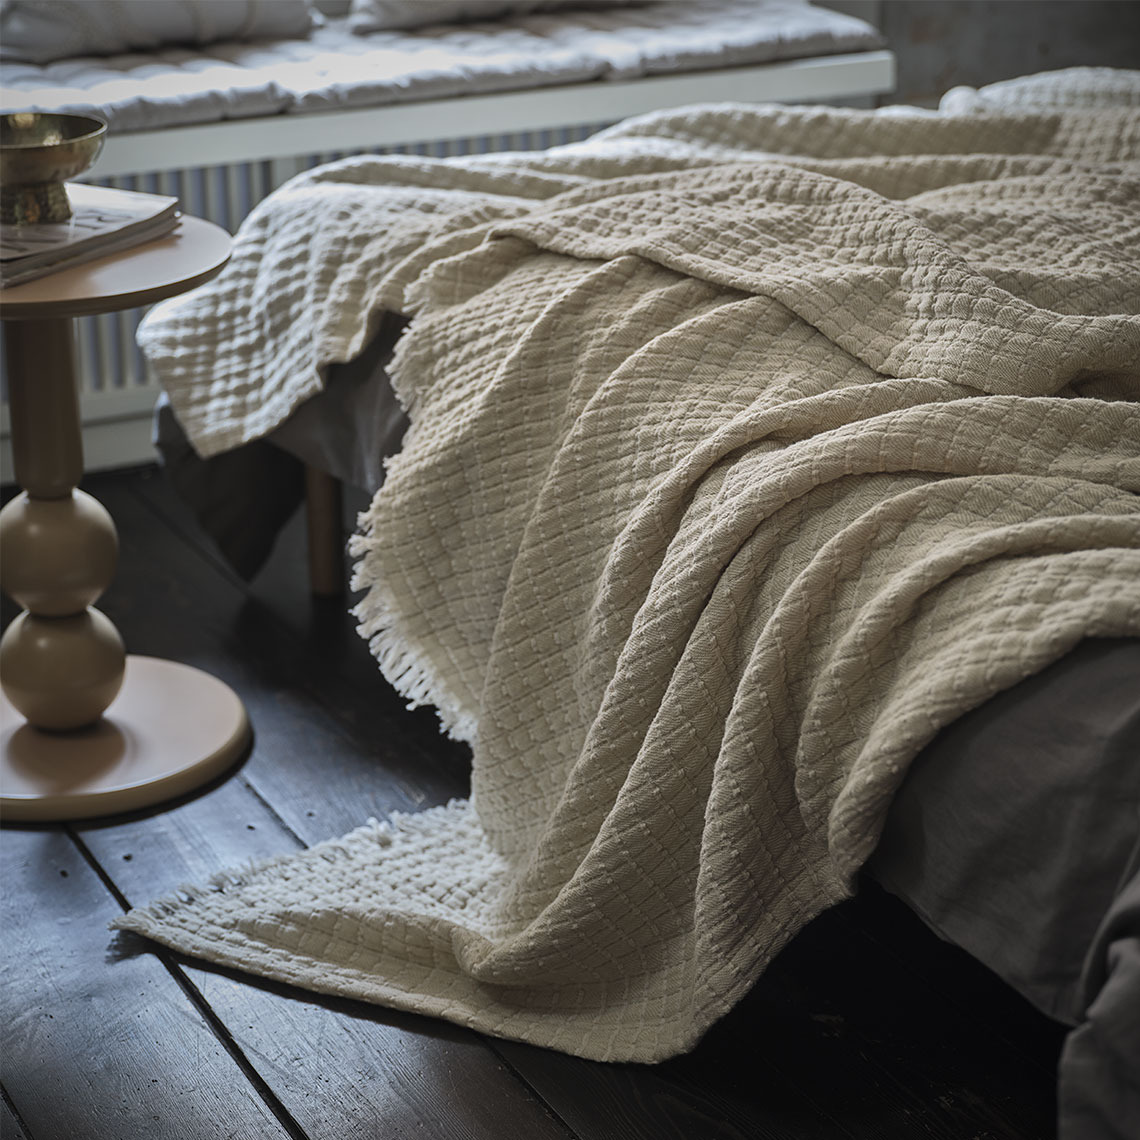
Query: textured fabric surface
pixel 382 15
pixel 333 69
pixel 42 31
pixel 748 449
pixel 1073 87
pixel 1099 1090
pixel 244 497
pixel 317 263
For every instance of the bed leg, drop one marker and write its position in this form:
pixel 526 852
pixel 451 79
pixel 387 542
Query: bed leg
pixel 326 533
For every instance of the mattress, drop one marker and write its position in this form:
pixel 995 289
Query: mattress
pixel 334 69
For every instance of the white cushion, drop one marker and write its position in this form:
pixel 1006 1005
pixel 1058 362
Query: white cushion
pixel 333 69
pixel 42 31
pixel 383 15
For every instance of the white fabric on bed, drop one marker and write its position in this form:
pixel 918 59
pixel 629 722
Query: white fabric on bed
pixel 730 480
pixel 313 267
pixel 333 69
pixel 1072 88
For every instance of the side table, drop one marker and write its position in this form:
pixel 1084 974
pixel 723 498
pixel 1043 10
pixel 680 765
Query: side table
pixel 85 729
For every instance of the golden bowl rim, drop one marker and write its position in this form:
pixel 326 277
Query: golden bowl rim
pixel 100 128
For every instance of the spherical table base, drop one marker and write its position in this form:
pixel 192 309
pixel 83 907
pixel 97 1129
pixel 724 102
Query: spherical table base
pixel 171 729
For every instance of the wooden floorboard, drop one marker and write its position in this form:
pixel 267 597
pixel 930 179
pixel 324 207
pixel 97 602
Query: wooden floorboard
pixel 304 654
pixel 927 1056
pixel 852 1033
pixel 98 1048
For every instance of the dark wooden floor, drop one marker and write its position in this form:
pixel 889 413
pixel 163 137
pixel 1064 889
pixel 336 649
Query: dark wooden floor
pixel 866 1026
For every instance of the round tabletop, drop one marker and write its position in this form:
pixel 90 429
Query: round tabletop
pixel 179 261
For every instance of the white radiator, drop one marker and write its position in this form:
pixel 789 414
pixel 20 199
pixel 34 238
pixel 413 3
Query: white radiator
pixel 116 394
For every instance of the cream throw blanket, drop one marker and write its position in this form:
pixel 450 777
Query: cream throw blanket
pixel 749 447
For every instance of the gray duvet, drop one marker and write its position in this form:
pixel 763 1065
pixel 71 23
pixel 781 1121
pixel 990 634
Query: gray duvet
pixel 1016 835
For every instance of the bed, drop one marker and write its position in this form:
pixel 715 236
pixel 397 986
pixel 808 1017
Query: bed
pixel 757 496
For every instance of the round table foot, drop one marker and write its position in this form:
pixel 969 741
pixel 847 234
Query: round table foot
pixel 171 729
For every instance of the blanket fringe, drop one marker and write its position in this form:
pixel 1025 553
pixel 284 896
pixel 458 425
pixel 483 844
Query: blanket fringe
pixel 152 920
pixel 147 919
pixel 406 666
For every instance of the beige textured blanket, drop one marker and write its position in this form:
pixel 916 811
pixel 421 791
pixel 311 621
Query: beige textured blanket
pixel 730 480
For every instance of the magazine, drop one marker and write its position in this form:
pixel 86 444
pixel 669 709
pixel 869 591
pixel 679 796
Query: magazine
pixel 103 220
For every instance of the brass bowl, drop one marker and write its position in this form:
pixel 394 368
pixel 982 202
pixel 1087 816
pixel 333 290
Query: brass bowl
pixel 38 153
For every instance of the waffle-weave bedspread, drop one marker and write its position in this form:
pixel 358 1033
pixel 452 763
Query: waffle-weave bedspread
pixel 749 447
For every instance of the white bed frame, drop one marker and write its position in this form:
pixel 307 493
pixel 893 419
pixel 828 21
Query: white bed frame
pixel 116 416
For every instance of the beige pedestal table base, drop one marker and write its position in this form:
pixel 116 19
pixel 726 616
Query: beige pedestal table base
pixel 169 728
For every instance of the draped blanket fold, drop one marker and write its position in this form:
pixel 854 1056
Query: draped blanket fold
pixel 748 449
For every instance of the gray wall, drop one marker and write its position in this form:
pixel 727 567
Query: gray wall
pixel 943 43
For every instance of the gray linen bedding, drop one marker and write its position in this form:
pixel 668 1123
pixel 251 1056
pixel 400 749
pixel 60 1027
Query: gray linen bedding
pixel 1016 836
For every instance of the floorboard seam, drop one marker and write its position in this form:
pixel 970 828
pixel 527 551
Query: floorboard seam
pixel 195 541
pixel 552 1112
pixel 205 553
pixel 216 1026
pixel 278 818
pixel 10 1105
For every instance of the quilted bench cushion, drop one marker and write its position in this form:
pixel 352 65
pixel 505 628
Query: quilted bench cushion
pixel 333 69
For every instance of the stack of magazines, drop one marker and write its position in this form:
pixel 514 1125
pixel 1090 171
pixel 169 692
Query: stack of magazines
pixel 103 221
